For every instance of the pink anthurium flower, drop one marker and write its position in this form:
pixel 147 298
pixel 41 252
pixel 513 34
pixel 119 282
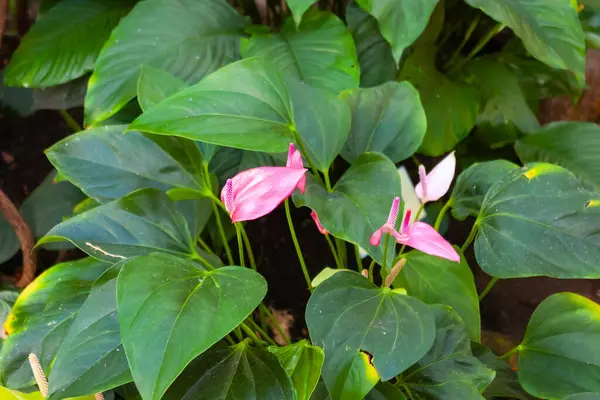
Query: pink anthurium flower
pixel 417 235
pixel 434 185
pixel 320 227
pixel 256 192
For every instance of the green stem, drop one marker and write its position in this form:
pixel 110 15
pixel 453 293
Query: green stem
pixel 470 238
pixel 371 266
pixel 248 248
pixel 478 47
pixel 297 245
pixel 202 260
pixel 251 334
pixel 300 144
pixel 70 121
pixel 443 211
pixel 222 233
pixel 359 265
pixel 327 181
pixel 341 251
pixel 510 353
pixel 275 323
pixel 206 247
pixel 261 331
pixel 415 160
pixel 418 214
pixel 466 38
pixel 240 245
pixel 386 243
pixel 488 288
pixel 229 340
pixel 238 333
pixel 334 252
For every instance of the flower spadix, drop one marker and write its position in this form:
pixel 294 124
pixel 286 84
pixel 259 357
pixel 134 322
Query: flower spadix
pixel 433 185
pixel 256 192
pixel 417 235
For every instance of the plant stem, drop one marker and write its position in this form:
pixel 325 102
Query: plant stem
pixel 222 233
pixel 240 244
pixel 248 248
pixel 229 340
pixel 466 38
pixel 510 353
pixel 341 251
pixel 238 333
pixel 203 261
pixel 251 334
pixel 359 265
pixel 443 211
pixel 206 247
pixel 386 243
pixel 327 181
pixel 297 245
pixel 470 238
pixel 266 310
pixel 488 288
pixel 418 214
pixel 334 252
pixel 70 121
pixel 478 47
pixel 371 271
pixel 261 331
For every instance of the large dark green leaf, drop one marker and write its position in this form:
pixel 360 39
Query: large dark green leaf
pixel 170 311
pixel 155 85
pixel 504 105
pixel 188 38
pixel 449 370
pixel 228 373
pixel 107 164
pixel 375 56
pixel 8 394
pixel 506 383
pixel 388 119
pixel 584 396
pixel 559 353
pixel 359 203
pixel 347 316
pixel 435 280
pixel 451 106
pixel 539 220
pixel 302 362
pixel 64 43
pixel 48 205
pixel 228 161
pixel 41 317
pixel 9 242
pixel 143 222
pixel 249 105
pixel 319 52
pixel 385 391
pixel 473 184
pixel 550 30
pixel 573 145
pixel 400 22
pixel 298 8
pixel 91 358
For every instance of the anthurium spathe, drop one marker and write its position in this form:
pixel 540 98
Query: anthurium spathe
pixel 417 235
pixel 432 186
pixel 256 192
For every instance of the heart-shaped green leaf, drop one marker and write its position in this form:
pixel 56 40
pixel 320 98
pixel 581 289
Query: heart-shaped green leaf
pixel 451 106
pixel 228 161
pixel 506 383
pixel 359 203
pixel 558 42
pixel 7 394
pixel 539 220
pixel 559 353
pixel 319 52
pixel 48 205
pixel 348 316
pixel 385 391
pixel 233 372
pixel 99 161
pixel 473 184
pixel 449 370
pixel 302 362
pixel 64 43
pixel 91 358
pixel 400 22
pixel 143 222
pixel 155 85
pixel 572 145
pixel 170 312
pixel 435 280
pixel 41 317
pixel 298 8
pixel 375 57
pixel 388 119
pixel 584 396
pixel 188 38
